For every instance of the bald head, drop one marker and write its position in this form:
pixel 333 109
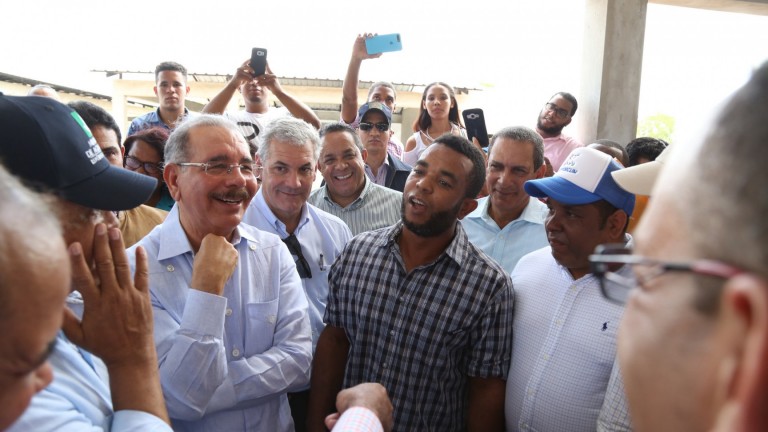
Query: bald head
pixel 34 281
pixel 44 91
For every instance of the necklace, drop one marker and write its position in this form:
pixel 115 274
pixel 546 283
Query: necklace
pixel 426 132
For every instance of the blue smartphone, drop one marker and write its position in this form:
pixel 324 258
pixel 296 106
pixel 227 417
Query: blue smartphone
pixel 383 43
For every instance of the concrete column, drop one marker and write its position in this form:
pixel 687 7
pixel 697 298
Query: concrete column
pixel 614 31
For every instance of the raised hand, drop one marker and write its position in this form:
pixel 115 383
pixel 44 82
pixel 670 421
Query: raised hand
pixel 215 262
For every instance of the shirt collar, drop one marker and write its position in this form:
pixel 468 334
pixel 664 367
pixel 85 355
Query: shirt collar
pixel 457 250
pixel 260 204
pixel 174 241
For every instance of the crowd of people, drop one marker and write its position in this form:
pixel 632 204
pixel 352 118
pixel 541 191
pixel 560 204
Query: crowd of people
pixel 189 277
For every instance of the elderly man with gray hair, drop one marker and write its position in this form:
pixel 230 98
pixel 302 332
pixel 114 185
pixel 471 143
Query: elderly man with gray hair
pixel 231 324
pixel 288 151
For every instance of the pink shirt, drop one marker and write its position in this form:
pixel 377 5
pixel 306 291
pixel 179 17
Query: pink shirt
pixel 558 148
pixel 358 419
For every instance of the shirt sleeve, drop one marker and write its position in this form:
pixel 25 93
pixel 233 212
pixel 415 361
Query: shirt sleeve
pixel 614 414
pixel 191 353
pixel 358 419
pixel 492 338
pixel 286 365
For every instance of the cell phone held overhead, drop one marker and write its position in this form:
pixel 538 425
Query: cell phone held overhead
pixel 383 43
pixel 258 61
pixel 474 121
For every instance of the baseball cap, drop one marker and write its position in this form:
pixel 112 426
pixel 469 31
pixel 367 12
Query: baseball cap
pixel 47 144
pixel 639 179
pixel 584 177
pixel 375 106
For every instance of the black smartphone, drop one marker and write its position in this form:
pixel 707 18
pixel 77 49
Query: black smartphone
pixel 474 121
pixel 259 61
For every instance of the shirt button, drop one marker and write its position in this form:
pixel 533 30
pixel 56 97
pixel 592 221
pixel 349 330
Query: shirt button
pixel 384 365
pixel 228 312
pixel 169 268
pixel 392 332
pixel 236 352
pixel 252 247
pixel 546 356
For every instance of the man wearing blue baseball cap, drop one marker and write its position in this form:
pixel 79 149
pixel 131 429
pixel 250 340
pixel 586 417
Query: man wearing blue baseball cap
pixel 105 372
pixel 375 131
pixel 564 347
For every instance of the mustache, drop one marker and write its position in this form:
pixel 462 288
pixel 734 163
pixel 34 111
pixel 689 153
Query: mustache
pixel 232 195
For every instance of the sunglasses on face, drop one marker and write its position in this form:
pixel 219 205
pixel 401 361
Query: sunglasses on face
pixel 366 127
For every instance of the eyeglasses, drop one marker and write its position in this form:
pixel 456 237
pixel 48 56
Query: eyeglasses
pixel 620 272
pixel 559 112
pixel 134 163
pixel 219 169
pixel 365 127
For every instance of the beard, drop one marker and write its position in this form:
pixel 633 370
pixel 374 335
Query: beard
pixel 554 130
pixel 437 224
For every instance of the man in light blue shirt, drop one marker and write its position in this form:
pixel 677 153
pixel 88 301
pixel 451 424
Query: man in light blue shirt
pixel 288 150
pixel 348 193
pixel 231 323
pixel 564 343
pixel 508 223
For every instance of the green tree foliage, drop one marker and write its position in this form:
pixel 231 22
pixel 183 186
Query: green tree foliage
pixel 660 126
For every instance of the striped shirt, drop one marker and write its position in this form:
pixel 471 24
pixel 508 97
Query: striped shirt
pixel 421 334
pixel 564 350
pixel 376 207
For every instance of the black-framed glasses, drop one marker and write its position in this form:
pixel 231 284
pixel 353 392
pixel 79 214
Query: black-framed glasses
pixel 559 112
pixel 619 272
pixel 365 127
pixel 134 163
pixel 219 169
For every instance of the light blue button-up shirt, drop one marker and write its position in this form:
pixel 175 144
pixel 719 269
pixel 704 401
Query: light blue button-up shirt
pixel 227 362
pixel 518 238
pixel 322 237
pixel 78 399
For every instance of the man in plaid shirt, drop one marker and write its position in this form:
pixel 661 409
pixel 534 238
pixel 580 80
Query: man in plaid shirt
pixel 420 310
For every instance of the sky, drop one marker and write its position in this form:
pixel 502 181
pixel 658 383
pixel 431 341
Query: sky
pixel 518 52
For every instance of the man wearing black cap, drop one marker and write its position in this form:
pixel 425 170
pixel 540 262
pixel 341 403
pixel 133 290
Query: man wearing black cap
pixel 374 131
pixel 564 343
pixel 48 146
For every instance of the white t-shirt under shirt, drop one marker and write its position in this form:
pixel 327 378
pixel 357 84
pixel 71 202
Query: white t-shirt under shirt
pixel 253 124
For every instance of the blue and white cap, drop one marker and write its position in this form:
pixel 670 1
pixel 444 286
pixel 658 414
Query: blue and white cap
pixel 584 178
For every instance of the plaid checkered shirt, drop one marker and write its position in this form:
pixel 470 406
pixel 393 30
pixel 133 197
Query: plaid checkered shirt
pixel 421 334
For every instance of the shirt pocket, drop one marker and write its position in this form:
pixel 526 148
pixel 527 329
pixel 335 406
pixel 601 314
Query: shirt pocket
pixel 261 321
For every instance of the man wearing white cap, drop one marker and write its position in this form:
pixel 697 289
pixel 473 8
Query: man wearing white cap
pixel 564 343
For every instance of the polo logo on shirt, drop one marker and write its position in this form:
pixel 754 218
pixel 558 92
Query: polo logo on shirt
pixel 605 326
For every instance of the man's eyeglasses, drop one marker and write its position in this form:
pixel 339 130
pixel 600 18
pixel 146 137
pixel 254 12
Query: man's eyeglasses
pixel 219 169
pixel 133 163
pixel 619 271
pixel 365 127
pixel 559 112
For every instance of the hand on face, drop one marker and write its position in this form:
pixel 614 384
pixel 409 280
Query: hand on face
pixel 117 317
pixel 215 262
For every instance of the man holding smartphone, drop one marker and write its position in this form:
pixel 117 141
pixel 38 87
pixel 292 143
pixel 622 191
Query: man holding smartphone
pixel 382 91
pixel 258 114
